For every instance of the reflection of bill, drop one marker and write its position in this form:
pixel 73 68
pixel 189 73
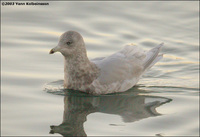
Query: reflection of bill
pixel 130 107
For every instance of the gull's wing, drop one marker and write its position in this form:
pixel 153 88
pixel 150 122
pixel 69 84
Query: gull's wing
pixel 127 65
pixel 96 59
pixel 121 66
pixel 152 56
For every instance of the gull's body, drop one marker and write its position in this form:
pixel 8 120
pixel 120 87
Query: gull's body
pixel 115 73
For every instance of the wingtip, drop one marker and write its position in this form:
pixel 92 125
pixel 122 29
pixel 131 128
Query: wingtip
pixel 160 45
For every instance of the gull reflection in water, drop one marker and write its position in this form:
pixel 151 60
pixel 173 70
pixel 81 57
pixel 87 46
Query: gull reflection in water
pixel 131 106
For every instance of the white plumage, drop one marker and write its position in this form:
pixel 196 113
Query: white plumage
pixel 122 70
pixel 115 73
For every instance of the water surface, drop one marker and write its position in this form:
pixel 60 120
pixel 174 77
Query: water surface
pixel 165 101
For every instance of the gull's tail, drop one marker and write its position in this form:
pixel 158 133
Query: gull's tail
pixel 152 56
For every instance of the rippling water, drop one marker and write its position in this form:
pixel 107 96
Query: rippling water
pixel 164 102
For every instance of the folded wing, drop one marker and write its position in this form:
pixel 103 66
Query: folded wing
pixel 126 66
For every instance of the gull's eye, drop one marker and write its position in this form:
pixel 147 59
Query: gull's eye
pixel 68 43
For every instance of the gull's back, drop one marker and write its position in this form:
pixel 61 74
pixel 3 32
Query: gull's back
pixel 122 70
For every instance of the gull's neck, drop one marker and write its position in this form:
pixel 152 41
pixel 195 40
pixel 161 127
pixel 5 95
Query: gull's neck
pixel 76 63
pixel 79 71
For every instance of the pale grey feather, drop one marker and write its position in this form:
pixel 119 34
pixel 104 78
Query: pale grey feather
pixel 115 73
pixel 151 56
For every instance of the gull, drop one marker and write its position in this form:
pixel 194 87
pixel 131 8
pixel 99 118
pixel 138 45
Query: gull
pixel 115 73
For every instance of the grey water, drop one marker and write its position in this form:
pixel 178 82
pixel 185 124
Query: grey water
pixel 165 102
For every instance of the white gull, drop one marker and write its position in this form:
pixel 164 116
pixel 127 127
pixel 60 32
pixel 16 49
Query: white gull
pixel 115 73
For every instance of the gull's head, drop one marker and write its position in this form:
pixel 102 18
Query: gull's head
pixel 69 43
